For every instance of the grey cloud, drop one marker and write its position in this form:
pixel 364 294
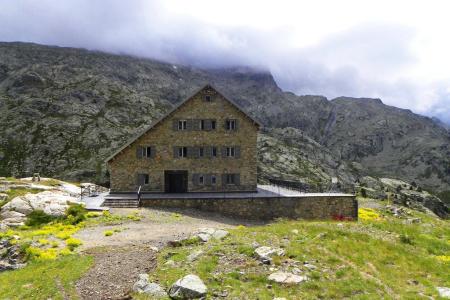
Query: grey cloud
pixel 357 62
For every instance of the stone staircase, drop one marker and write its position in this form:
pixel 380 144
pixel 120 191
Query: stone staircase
pixel 121 201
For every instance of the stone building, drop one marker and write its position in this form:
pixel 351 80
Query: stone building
pixel 207 143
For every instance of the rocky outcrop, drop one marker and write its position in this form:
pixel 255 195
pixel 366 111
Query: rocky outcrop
pixel 11 258
pixel 53 203
pixel 402 193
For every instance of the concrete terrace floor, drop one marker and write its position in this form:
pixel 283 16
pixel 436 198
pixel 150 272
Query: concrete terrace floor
pixel 263 191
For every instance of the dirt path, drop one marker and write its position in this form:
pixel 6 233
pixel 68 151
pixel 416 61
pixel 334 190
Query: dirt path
pixel 115 271
pixel 118 259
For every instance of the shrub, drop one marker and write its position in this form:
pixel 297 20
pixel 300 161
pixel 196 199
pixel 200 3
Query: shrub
pixel 72 243
pixel 38 217
pixel 108 233
pixel 406 239
pixel 93 214
pixel 65 251
pixel 76 213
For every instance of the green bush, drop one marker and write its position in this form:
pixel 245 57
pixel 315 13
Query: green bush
pixel 76 213
pixel 363 193
pixel 38 217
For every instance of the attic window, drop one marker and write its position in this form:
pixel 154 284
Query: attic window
pixel 230 124
pixel 182 125
pixel 208 98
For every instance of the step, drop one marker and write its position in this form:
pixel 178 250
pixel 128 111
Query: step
pixel 120 203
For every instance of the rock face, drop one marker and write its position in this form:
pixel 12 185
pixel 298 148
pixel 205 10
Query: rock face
pixel 402 193
pixel 150 288
pixel 188 287
pixel 53 203
pixel 80 106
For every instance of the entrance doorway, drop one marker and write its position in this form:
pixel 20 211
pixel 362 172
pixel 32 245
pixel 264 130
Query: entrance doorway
pixel 176 181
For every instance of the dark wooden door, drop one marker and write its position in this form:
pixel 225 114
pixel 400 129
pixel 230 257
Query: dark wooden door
pixel 176 181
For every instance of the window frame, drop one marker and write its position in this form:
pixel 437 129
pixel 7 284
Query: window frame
pixel 213 151
pixel 231 151
pixel 201 179
pixel 201 152
pixel 182 125
pixel 213 180
pixel 182 152
pixel 230 124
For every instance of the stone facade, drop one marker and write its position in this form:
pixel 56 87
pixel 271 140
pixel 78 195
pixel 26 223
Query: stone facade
pixel 190 126
pixel 268 208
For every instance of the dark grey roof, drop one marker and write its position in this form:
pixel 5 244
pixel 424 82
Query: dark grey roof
pixel 153 124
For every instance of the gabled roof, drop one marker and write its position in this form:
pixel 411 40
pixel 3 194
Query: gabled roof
pixel 175 108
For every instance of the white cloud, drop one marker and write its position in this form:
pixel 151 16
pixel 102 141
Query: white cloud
pixel 394 50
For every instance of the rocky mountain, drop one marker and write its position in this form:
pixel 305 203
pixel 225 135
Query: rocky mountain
pixel 63 110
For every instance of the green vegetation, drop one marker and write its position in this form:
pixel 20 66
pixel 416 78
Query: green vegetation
pixel 76 213
pixel 45 279
pixel 38 217
pixel 379 256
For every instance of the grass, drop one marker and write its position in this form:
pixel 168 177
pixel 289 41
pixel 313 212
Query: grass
pixel 53 279
pixel 377 257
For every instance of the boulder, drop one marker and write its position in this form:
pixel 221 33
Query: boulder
pixel 444 292
pixel 265 253
pixel 150 288
pixel 287 278
pixel 188 287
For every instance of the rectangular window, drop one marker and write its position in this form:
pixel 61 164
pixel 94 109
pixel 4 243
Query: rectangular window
pixel 201 152
pixel 182 152
pixel 213 179
pixel 208 98
pixel 201 179
pixel 230 178
pixel 202 125
pixel 213 124
pixel 230 125
pixel 230 151
pixel 214 151
pixel 182 125
pixel 146 179
pixel 147 151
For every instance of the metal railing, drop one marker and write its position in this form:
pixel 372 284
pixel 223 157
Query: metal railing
pixel 333 187
pixel 139 195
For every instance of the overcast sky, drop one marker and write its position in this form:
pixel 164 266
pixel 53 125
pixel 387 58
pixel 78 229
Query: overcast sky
pixel 398 51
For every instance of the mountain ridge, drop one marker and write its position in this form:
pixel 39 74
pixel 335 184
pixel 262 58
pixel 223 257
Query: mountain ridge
pixel 63 110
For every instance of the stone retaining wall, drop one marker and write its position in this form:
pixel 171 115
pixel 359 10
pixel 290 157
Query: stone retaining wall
pixel 267 208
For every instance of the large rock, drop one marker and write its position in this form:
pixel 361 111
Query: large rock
pixel 150 288
pixel 265 253
pixel 53 203
pixel 287 278
pixel 188 287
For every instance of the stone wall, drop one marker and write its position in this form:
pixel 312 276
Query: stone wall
pixel 268 208
pixel 125 166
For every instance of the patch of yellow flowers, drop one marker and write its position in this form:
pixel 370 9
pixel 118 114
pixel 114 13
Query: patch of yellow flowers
pixel 40 244
pixel 368 214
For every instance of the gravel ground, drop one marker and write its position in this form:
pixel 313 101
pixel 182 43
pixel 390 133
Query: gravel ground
pixel 118 259
pixel 115 271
